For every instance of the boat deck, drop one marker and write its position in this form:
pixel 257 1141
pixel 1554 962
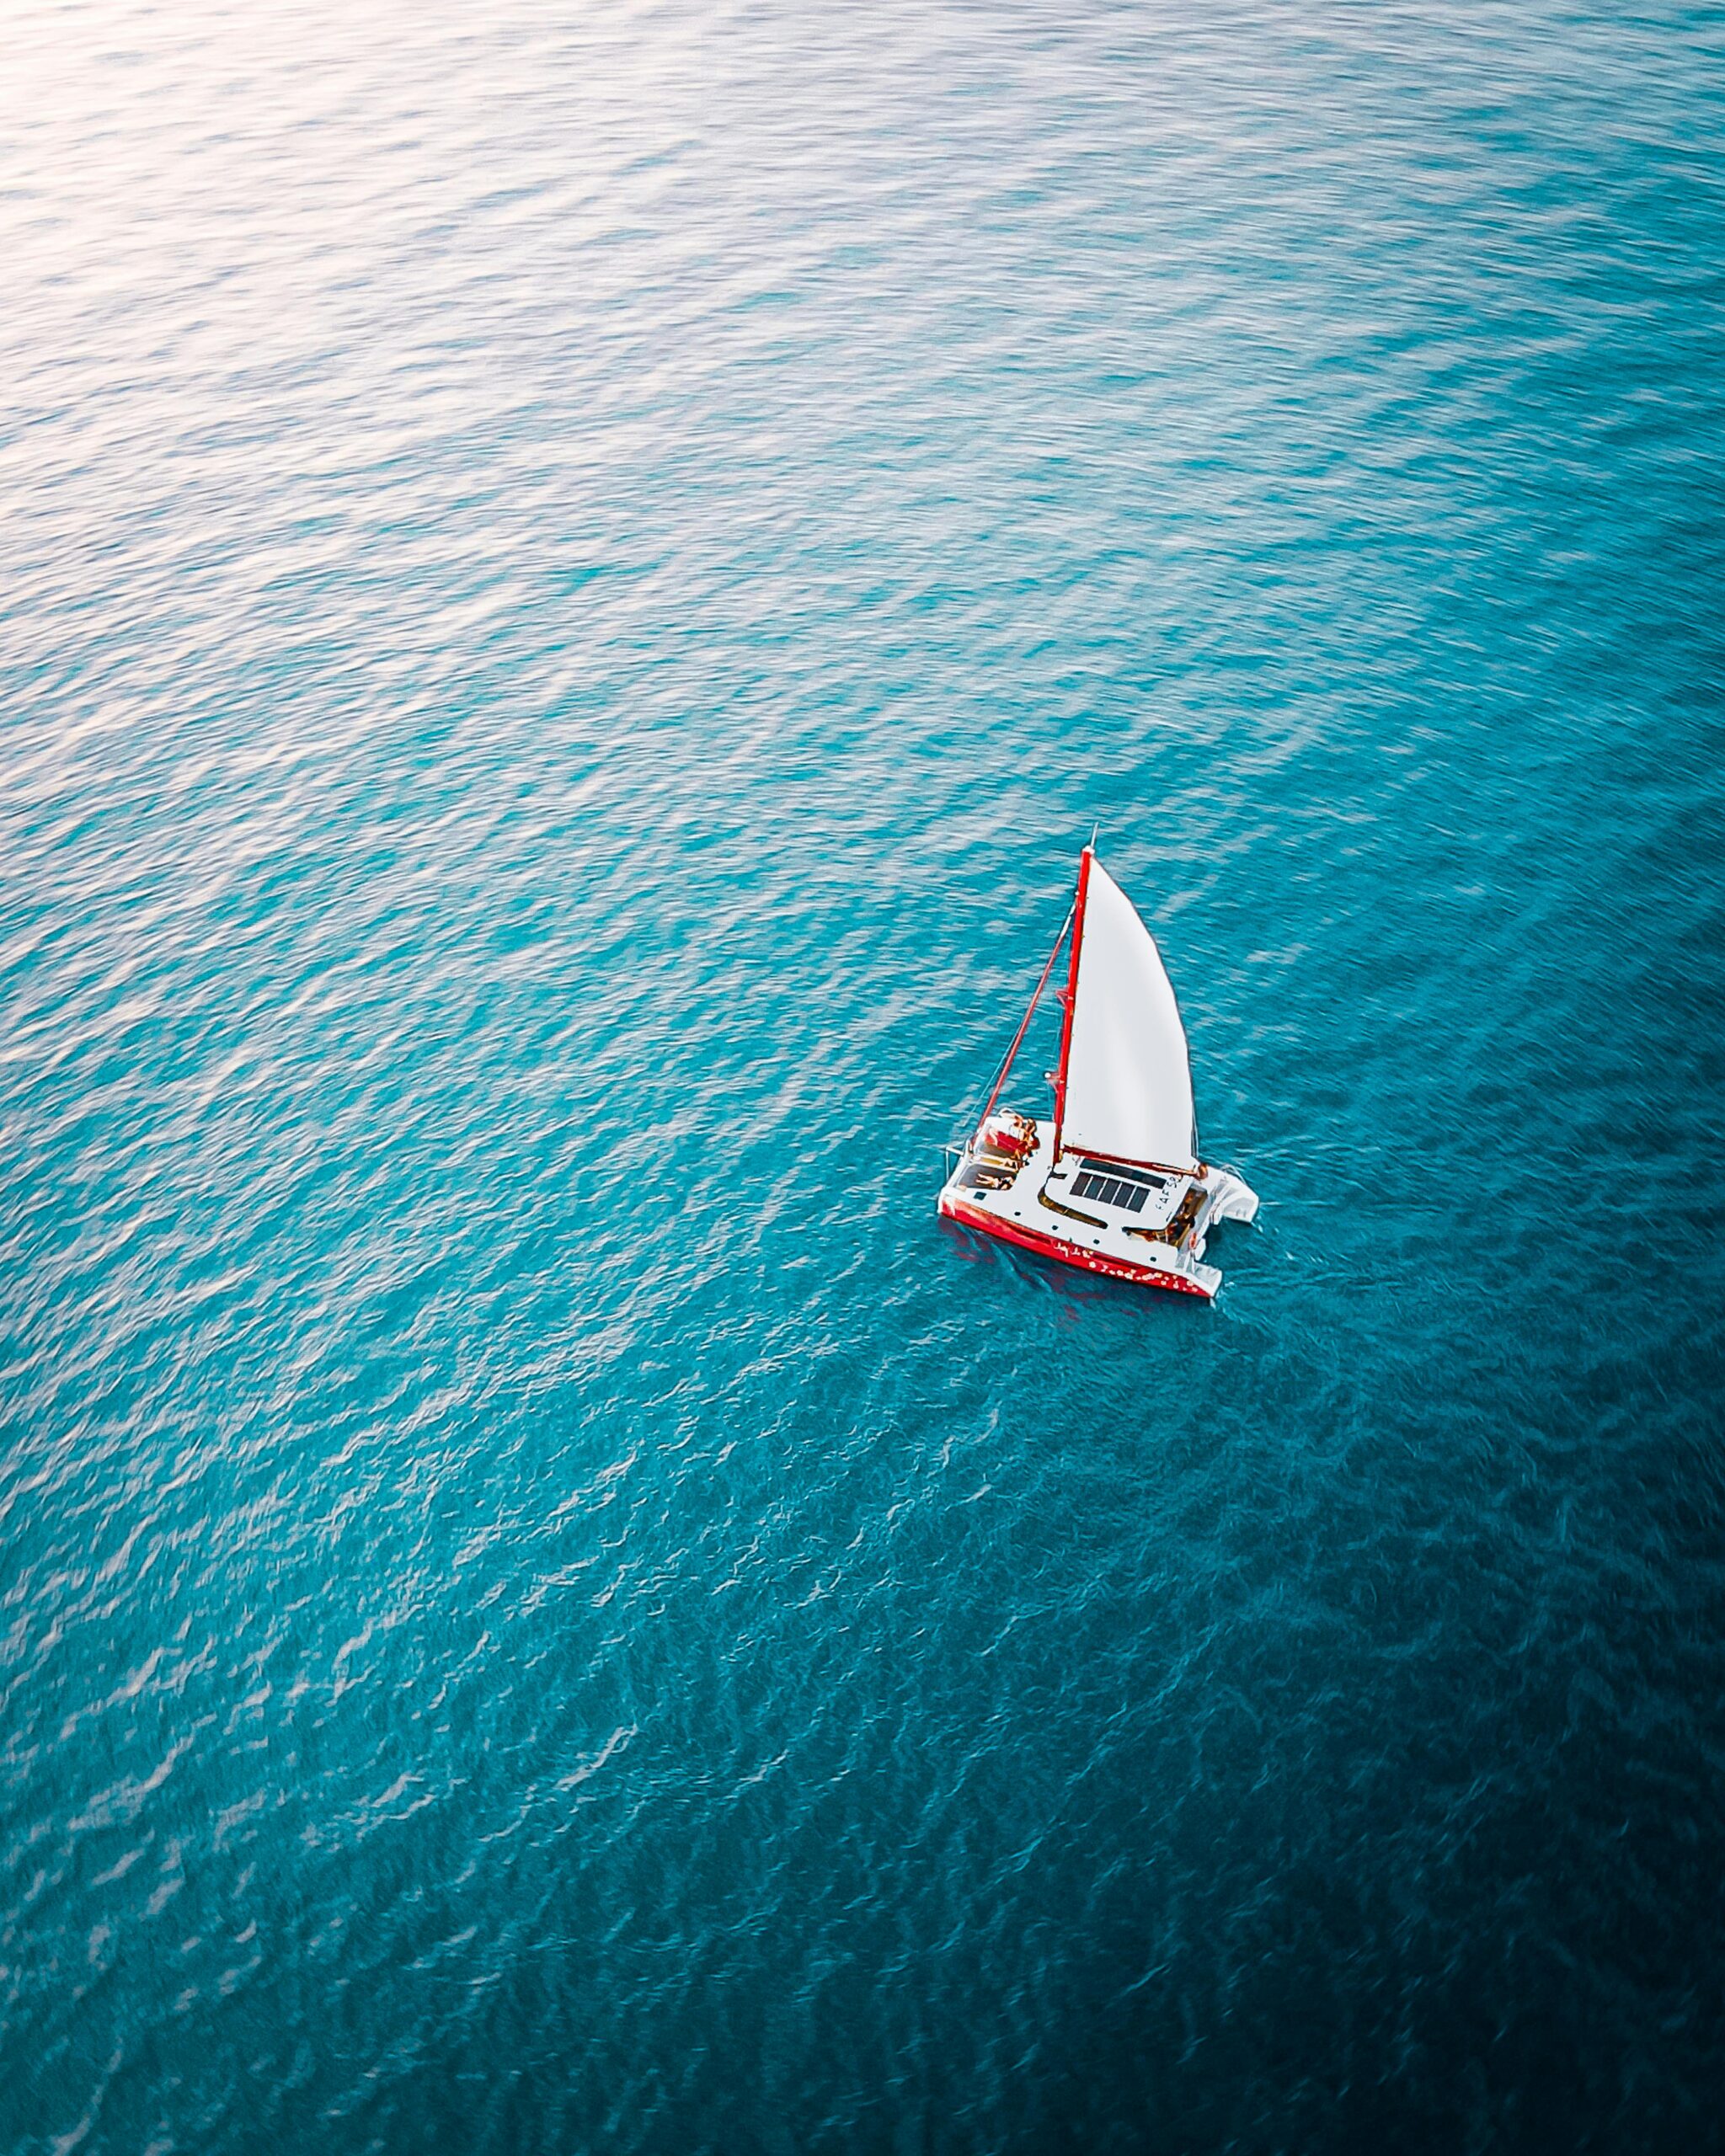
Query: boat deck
pixel 1130 1224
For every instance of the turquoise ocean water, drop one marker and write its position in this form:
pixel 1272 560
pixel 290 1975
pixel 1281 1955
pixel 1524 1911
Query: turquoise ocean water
pixel 571 584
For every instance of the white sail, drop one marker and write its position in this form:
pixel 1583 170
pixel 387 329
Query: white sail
pixel 1129 1079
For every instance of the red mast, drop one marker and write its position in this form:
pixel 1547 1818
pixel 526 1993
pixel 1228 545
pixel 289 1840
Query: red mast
pixel 1071 997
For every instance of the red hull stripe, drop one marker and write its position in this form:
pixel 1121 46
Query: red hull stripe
pixel 1116 1268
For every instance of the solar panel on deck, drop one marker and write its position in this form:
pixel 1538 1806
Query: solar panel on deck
pixel 1110 1189
pixel 1122 1174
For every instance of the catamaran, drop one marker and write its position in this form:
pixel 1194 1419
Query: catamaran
pixel 1112 1181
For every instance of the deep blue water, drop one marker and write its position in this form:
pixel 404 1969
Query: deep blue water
pixel 570 587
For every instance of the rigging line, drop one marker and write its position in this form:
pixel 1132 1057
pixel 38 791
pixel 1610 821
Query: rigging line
pixel 1000 1076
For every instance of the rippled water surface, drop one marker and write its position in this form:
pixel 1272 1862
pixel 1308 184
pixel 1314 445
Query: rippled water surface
pixel 571 583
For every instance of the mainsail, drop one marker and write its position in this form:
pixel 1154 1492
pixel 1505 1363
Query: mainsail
pixel 1124 1088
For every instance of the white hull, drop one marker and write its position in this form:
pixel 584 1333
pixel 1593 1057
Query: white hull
pixel 1124 1222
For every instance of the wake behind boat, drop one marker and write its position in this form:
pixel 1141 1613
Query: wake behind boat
pixel 1112 1181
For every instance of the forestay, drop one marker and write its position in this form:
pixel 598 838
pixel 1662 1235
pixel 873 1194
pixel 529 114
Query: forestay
pixel 1129 1079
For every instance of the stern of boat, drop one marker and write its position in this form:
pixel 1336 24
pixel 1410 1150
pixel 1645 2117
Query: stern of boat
pixel 1232 1198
